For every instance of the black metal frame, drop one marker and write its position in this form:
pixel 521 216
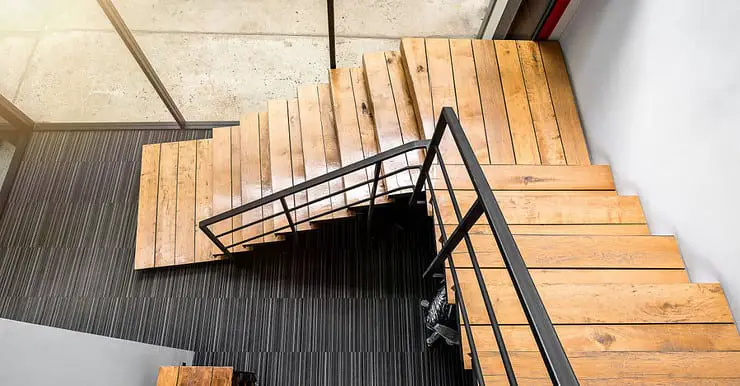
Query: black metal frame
pixel 553 354
pixel 280 196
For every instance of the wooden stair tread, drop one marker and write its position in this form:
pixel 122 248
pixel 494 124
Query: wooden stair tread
pixel 541 209
pixel 331 148
pixel 578 252
pixel 281 163
pixel 615 365
pixel 194 376
pixel 606 303
pixel 642 381
pixel 299 167
pixel 528 177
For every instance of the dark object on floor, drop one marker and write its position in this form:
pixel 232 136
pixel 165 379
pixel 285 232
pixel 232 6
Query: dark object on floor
pixel 244 378
pixel 440 319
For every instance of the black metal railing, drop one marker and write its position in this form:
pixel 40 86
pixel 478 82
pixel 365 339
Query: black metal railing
pixel 375 161
pixel 556 362
pixel 553 355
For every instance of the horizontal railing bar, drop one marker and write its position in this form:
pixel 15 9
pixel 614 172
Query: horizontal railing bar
pixel 318 180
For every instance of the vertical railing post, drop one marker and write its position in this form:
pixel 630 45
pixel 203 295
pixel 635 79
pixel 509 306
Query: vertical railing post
pixel 286 211
pixel 373 192
pixel 332 43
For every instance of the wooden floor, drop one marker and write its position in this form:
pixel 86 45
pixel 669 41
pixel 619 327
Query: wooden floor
pixel 194 376
pixel 620 298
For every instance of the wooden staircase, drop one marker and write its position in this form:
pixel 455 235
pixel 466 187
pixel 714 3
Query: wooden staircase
pixel 620 298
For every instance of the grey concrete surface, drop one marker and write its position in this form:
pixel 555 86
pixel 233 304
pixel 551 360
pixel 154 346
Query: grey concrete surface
pixel 657 88
pixel 218 59
pixel 36 355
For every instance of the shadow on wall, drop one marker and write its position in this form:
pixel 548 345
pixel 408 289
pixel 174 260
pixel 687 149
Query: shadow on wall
pixel 657 87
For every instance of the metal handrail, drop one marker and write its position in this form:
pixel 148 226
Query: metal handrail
pixel 280 196
pixel 553 354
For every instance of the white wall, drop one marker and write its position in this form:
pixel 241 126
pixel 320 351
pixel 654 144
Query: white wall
pixel 658 87
pixel 34 355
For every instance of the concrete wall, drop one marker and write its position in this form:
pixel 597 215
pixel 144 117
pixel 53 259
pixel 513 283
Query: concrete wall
pixel 658 87
pixel 34 355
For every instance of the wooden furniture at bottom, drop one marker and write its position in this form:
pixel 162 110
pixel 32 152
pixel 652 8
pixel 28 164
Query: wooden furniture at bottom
pixel 194 376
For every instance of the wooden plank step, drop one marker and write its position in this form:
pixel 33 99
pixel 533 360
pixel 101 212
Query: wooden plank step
pixel 617 365
pixel 607 303
pixel 298 163
pixel 348 131
pixel 533 209
pixel 331 148
pixel 526 177
pixel 384 107
pixel 617 337
pixel 314 152
pixel 185 213
pixel 280 158
pixel 642 381
pixel 146 224
pixel 164 252
pixel 578 229
pixel 203 199
pixel 250 179
pixel 646 252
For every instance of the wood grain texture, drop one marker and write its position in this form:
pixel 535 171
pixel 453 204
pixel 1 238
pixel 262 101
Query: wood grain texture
pixel 348 131
pixel 266 173
pixel 314 155
pixel 617 365
pixel 280 157
pixel 607 303
pixel 641 381
pixel 331 148
pixel 553 209
pixel 564 104
pixel 194 376
pixel 540 104
pixel 442 85
pixel 523 135
pixel 166 205
pixel 492 101
pixel 222 376
pixel 146 224
pixel 528 177
pixel 619 337
pixel 236 184
pixel 251 179
pixel 579 252
pixel 203 198
pixel 299 167
pixel 404 108
pixel 469 108
pixel 597 229
pixel 185 218
pixel 167 376
pixel 222 183
pixel 365 119
pixel 413 51
pixel 383 105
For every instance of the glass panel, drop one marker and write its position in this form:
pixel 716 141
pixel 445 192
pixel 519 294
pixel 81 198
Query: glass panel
pixel 219 59
pixel 74 68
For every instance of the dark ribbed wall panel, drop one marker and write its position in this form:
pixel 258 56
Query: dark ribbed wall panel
pixel 331 310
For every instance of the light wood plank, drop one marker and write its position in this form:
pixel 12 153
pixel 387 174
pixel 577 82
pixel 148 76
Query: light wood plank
pixel 388 129
pixel 280 157
pixel 469 106
pixel 194 376
pixel 331 148
pixel 365 120
pixel 167 376
pixel 185 218
pixel 564 104
pixel 527 177
pixel 299 167
pixel 404 108
pixel 606 303
pixel 517 105
pixel 251 179
pixel 618 337
pixel 413 51
pixel 236 185
pixel 146 224
pixel 616 365
pixel 166 206
pixel 641 381
pixel 538 94
pixel 314 155
pixel 348 131
pixel 579 229
pixel 203 198
pixel 442 84
pixel 266 174
pixel 578 252
pixel 222 183
pixel 493 105
pixel 222 376
pixel 552 209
